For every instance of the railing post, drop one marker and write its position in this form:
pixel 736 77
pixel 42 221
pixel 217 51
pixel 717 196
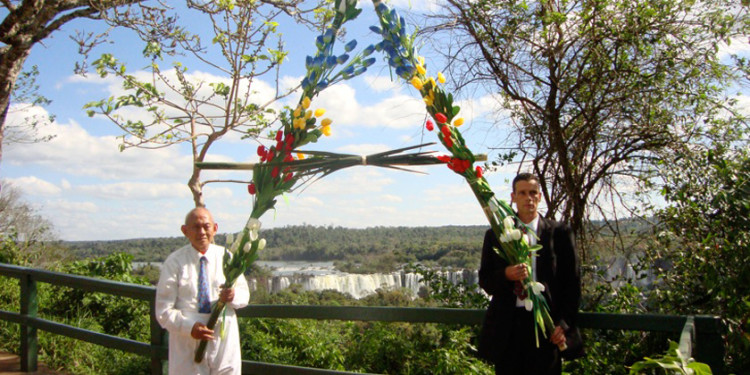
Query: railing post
pixel 157 341
pixel 687 337
pixel 709 344
pixel 29 305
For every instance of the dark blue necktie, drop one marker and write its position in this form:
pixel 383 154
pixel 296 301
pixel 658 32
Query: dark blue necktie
pixel 204 304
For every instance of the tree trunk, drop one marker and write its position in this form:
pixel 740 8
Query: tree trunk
pixel 12 59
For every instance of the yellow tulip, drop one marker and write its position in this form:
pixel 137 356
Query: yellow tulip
pixel 319 112
pixel 421 60
pixel 326 122
pixel 326 130
pixel 421 70
pixel 306 103
pixel 300 156
pixel 428 101
pixel 297 111
pixel 441 77
pixel 299 123
pixel 417 83
pixel 432 80
pixel 308 115
pixel 458 121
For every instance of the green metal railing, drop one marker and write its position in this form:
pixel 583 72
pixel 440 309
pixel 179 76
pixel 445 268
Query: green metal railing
pixel 700 336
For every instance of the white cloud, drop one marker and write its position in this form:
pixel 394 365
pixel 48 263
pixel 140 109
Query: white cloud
pixel 130 191
pixel 391 198
pixel 31 185
pixel 71 207
pixel 76 152
pixel 737 46
pixel 382 83
pixel 363 149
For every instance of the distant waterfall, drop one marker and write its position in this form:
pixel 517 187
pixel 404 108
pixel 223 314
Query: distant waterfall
pixel 361 285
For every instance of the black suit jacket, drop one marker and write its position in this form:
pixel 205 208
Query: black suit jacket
pixel 557 268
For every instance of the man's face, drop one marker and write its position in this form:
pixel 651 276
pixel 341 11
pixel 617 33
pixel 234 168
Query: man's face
pixel 200 230
pixel 526 196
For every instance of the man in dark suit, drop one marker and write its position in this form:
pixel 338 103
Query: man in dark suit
pixel 507 337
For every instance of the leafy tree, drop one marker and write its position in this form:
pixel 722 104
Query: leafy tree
pixel 174 107
pixel 596 90
pixel 705 245
pixel 26 238
pixel 26 23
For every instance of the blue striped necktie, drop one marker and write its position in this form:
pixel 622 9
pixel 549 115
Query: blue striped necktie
pixel 204 304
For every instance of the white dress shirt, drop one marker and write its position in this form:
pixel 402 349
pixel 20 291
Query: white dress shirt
pixel 177 312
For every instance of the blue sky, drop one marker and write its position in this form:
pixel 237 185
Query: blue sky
pixel 90 190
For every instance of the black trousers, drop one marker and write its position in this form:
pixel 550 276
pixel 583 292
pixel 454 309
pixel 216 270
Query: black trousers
pixel 522 357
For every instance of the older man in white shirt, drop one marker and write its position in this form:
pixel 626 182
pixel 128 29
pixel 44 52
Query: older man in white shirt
pixel 183 309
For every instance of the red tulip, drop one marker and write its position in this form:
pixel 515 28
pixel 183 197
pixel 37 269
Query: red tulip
pixel 446 131
pixel 251 188
pixel 261 150
pixel 479 172
pixel 441 119
pixel 444 158
pixel 275 172
pixel 448 142
pixel 278 135
pixel 430 126
pixel 288 176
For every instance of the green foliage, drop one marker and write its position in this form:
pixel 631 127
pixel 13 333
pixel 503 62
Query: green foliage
pixel 115 315
pixel 672 362
pixel 705 246
pixel 447 294
pixel 98 312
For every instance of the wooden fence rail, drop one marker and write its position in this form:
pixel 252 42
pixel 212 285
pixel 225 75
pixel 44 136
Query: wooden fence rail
pixel 700 336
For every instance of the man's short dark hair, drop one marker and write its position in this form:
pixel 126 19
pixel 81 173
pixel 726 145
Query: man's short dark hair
pixel 524 177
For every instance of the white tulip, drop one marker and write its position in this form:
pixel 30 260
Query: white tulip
pixel 230 238
pixel 515 234
pixel 247 247
pixel 261 244
pixel 253 235
pixel 504 238
pixel 528 304
pixel 253 224
pixel 509 223
pixel 537 287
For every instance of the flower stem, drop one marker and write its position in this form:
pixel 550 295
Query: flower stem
pixel 218 308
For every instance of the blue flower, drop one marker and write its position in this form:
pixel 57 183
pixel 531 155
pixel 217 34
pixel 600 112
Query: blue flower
pixel 319 42
pixel 322 84
pixel 368 50
pixel 328 36
pixel 350 46
pixel 368 62
pixel 331 61
pixel 342 59
pixel 376 30
pixel 308 61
